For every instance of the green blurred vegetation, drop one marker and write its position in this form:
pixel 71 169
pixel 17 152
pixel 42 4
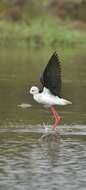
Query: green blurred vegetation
pixel 37 23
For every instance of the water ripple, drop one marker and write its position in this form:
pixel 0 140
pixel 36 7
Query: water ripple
pixel 27 164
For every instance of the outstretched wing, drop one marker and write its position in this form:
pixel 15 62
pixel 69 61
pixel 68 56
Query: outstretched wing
pixel 51 77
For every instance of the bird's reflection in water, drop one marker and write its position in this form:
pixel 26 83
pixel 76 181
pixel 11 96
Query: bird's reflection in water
pixel 50 136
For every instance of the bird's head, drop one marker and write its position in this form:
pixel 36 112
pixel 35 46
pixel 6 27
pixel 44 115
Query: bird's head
pixel 34 90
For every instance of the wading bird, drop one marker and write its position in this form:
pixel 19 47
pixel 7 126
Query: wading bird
pixel 51 88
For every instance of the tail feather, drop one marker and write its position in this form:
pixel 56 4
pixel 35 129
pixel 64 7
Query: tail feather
pixel 65 102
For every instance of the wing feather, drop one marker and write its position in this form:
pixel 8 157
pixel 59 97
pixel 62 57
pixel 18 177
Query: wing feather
pixel 51 77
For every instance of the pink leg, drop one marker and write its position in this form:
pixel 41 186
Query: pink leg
pixel 56 116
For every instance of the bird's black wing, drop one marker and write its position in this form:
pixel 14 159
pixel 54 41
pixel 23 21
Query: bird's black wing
pixel 51 77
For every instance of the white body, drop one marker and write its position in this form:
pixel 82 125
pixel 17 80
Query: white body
pixel 47 98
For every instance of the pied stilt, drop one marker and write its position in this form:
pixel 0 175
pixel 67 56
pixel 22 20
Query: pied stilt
pixel 51 88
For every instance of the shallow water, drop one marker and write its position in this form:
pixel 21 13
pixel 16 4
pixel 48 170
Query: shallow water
pixel 57 161
pixel 31 158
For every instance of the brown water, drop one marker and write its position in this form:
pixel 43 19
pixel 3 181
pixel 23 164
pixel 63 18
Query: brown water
pixel 28 158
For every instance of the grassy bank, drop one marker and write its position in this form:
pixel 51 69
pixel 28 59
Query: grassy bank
pixel 39 32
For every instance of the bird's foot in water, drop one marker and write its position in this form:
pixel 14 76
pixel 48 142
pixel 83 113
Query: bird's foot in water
pixel 57 121
pixel 56 116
